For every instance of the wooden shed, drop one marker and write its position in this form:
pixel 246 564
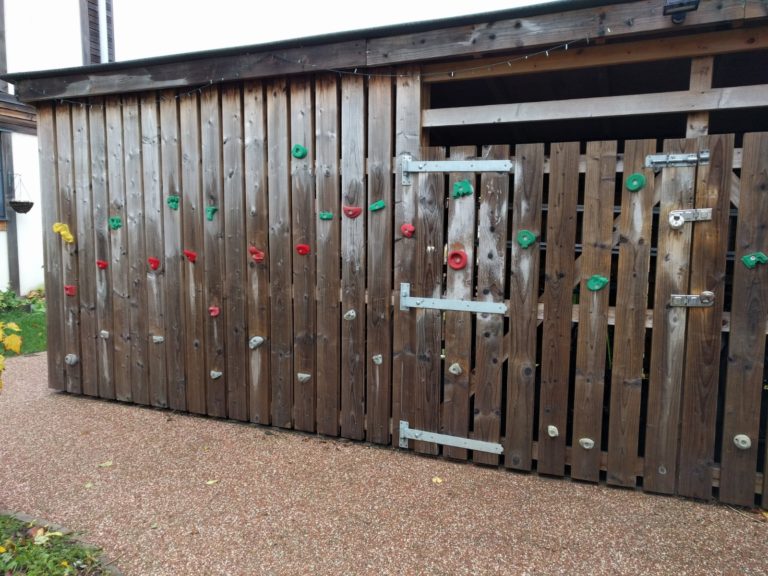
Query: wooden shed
pixel 534 239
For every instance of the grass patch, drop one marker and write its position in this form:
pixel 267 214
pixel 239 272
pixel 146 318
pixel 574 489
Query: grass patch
pixel 34 550
pixel 33 329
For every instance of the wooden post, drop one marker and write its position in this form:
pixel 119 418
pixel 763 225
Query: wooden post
pixel 701 79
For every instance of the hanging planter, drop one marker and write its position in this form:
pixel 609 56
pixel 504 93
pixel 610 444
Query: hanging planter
pixel 21 206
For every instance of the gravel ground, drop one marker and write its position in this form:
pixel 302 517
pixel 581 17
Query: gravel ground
pixel 287 503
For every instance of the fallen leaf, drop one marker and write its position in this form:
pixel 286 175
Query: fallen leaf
pixel 13 326
pixel 2 550
pixel 153 525
pixel 56 534
pixel 437 480
pixel 106 464
pixel 210 482
pixel 13 343
pixel 764 513
pixel 89 484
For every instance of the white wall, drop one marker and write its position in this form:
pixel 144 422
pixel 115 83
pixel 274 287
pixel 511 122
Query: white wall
pixel 4 277
pixel 29 226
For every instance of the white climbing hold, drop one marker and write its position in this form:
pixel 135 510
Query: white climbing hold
pixel 303 377
pixel 158 339
pixel 455 369
pixel 215 374
pixel 255 342
pixel 742 441
pixel 350 315
pixel 104 335
pixel 70 359
pixel 586 443
pixel 552 431
pixel 377 359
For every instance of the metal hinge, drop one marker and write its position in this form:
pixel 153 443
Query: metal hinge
pixel 407 301
pixel 659 161
pixel 703 300
pixel 407 433
pixel 679 217
pixel 408 166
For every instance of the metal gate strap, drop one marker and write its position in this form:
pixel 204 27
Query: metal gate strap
pixel 407 433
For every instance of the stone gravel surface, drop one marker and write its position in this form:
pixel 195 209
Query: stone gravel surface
pixel 170 494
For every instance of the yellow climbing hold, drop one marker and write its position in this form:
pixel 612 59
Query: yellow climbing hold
pixel 63 230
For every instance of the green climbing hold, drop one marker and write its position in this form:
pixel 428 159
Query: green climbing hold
pixel 462 188
pixel 326 215
pixel 298 151
pixel 525 238
pixel 752 260
pixel 173 202
pixel 210 211
pixel 115 222
pixel 635 182
pixel 378 205
pixel 597 282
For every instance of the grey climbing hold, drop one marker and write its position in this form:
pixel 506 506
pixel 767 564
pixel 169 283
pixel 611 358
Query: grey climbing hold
pixel 71 359
pixel 104 335
pixel 158 339
pixel 350 315
pixel 377 359
pixel 215 374
pixel 742 441
pixel 303 377
pixel 255 342
pixel 586 443
pixel 455 369
pixel 552 431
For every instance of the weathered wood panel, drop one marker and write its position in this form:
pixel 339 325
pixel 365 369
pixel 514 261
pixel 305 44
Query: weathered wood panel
pixel 746 346
pixel 353 258
pixel 327 239
pixel 558 301
pixel 257 234
pixel 631 302
pixel 589 386
pixel 523 306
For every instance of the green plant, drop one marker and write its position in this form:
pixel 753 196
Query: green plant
pixel 9 300
pixel 10 341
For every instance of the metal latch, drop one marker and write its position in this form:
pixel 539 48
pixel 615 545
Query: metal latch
pixel 407 301
pixel 703 300
pixel 409 165
pixel 659 161
pixel 407 433
pixel 679 217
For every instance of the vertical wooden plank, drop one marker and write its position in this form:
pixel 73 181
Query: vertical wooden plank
pixel 213 246
pixel 746 347
pixel 257 232
pixel 328 237
pixel 523 306
pixel 153 237
pixel 634 230
pixel 378 337
pixel 454 419
pixel 137 261
pixel 52 245
pixel 427 282
pixel 491 271
pixel 100 238
pixel 175 328
pixel 85 250
pixel 280 254
pixel 235 251
pixel 558 304
pixel 409 99
pixel 353 258
pixel 600 182
pixel 669 326
pixel 303 232
pixel 118 266
pixel 68 215
pixel 702 345
pixel 193 216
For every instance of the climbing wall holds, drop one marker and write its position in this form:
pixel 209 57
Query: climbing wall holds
pixel 326 215
pixel 154 263
pixel 256 254
pixel 210 211
pixel 378 359
pixel 214 311
pixel 597 282
pixel 173 202
pixel 352 211
pixel 158 339
pixel 71 359
pixel 104 335
pixel 215 374
pixel 298 151
pixel 457 259
pixel 462 188
pixel 70 290
pixel 376 206
pixel 115 222
pixel 407 230
pixel 255 342
pixel 63 230
pixel 635 182
pixel 303 377
pixel 190 255
pixel 102 264
pixel 525 238
pixel 455 369
pixel 552 431
pixel 752 260
pixel 586 443
pixel 742 441
pixel 350 315
pixel 302 249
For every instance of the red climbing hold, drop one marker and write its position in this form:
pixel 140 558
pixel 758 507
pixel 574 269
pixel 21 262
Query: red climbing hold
pixel 191 256
pixel 352 211
pixel 214 311
pixel 256 254
pixel 407 230
pixel 102 264
pixel 154 263
pixel 457 259
pixel 302 249
pixel 70 290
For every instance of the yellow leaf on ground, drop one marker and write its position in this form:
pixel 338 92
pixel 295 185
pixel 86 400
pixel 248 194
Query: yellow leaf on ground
pixel 13 343
pixel 89 484
pixel 13 326
pixel 437 480
pixel 209 482
pixel 2 363
pixel 2 550
pixel 106 464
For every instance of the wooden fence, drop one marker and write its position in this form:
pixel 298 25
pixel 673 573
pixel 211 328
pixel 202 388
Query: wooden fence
pixel 238 252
